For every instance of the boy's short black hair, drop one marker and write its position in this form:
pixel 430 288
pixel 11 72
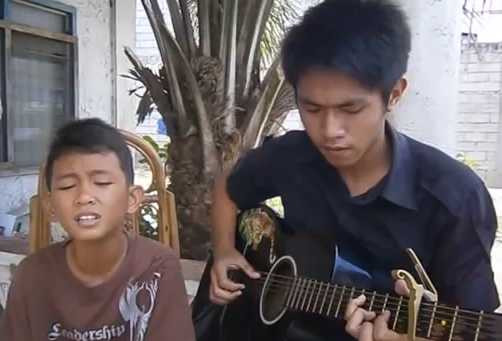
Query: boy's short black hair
pixel 89 136
pixel 369 40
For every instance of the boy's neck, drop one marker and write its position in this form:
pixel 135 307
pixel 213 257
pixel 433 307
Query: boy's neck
pixel 94 262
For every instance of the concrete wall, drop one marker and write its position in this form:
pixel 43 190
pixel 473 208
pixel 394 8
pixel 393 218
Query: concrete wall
pixel 101 91
pixel 480 106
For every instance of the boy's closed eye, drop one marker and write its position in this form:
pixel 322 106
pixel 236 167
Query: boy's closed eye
pixel 103 183
pixel 65 187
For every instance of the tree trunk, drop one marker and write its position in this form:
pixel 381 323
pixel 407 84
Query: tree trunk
pixel 193 191
pixel 193 204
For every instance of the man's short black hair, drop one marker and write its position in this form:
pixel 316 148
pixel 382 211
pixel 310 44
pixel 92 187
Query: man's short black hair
pixel 369 40
pixel 89 136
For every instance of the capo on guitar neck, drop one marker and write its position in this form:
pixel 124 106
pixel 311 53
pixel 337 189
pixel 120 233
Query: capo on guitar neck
pixel 417 291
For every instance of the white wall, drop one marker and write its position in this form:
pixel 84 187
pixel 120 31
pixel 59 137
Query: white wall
pixel 99 71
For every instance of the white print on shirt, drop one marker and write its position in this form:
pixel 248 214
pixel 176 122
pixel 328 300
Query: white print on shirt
pixel 105 333
pixel 136 318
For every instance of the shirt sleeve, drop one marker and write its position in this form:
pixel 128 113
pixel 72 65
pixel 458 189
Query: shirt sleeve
pixel 14 322
pixel 171 318
pixel 463 269
pixel 253 178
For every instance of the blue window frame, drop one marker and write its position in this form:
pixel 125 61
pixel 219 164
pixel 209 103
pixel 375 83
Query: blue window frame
pixel 38 78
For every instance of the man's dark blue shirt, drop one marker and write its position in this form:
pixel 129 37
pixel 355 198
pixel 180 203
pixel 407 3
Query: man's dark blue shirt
pixel 428 201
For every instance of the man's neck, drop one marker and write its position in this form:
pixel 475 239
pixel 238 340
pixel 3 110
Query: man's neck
pixel 370 169
pixel 94 262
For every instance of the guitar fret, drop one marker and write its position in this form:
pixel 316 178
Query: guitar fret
pixel 331 301
pixel 299 291
pixel 318 293
pixel 312 294
pixel 372 300
pixel 294 292
pixel 362 293
pixel 339 301
pixel 385 302
pixel 291 292
pixel 324 298
pixel 352 293
pixel 397 313
pixel 479 325
pixel 431 322
pixel 453 323
pixel 306 293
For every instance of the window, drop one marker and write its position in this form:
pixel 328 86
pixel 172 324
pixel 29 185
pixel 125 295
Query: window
pixel 37 78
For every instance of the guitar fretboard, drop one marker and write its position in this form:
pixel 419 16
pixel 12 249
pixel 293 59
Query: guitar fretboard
pixel 435 321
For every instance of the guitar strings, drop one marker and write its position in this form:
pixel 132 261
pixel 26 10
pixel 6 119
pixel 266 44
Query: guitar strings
pixel 287 281
pixel 486 328
pixel 277 282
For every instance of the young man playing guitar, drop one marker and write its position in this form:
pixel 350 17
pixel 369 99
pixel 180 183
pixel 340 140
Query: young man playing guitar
pixel 350 173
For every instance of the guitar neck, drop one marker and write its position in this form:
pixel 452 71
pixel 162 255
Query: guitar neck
pixel 435 322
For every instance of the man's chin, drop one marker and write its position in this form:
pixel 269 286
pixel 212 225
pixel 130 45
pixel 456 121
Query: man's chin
pixel 341 161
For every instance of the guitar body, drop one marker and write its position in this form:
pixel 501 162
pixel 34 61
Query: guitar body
pixel 264 238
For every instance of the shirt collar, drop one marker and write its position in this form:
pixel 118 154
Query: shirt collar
pixel 400 184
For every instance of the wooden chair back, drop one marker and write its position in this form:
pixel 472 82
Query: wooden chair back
pixel 40 223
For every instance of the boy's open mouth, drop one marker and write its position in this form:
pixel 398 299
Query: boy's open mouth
pixel 87 218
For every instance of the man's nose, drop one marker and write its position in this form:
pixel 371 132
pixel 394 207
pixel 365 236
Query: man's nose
pixel 333 126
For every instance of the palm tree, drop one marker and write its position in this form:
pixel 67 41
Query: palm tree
pixel 219 90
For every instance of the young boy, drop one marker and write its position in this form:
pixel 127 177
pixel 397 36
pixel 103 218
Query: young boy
pixel 103 283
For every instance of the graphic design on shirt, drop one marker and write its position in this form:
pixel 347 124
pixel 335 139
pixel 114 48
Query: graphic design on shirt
pixel 136 317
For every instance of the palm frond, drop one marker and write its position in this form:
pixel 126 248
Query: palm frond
pixel 176 64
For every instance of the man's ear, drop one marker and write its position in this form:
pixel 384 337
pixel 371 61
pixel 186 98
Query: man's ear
pixel 397 93
pixel 49 208
pixel 136 194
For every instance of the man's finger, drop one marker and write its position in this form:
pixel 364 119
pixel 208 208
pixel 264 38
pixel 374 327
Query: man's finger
pixel 358 317
pixel 223 295
pixel 366 332
pixel 218 300
pixel 401 288
pixel 222 280
pixel 381 331
pixel 353 305
pixel 218 294
pixel 248 269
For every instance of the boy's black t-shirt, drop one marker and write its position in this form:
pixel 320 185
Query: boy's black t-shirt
pixel 145 300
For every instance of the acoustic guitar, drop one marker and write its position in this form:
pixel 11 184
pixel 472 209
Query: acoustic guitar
pixel 306 282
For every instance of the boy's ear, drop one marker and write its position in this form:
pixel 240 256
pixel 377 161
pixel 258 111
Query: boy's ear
pixel 136 194
pixel 49 209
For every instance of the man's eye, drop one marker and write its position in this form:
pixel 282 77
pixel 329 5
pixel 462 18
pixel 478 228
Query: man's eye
pixel 313 110
pixel 103 183
pixel 64 188
pixel 354 110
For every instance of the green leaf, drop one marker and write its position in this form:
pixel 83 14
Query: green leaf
pixel 152 142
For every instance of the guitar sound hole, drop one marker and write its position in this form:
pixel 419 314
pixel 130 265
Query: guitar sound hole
pixel 276 289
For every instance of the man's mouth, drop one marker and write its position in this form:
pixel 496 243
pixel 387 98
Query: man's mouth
pixel 336 149
pixel 87 219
